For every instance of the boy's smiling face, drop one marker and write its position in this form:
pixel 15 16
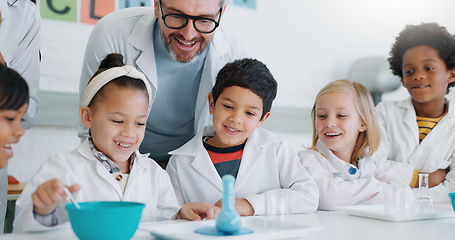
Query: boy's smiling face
pixel 425 75
pixel 236 114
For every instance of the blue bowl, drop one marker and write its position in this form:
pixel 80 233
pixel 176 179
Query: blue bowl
pixel 105 220
pixel 452 198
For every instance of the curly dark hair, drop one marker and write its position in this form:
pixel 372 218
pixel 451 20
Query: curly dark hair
pixel 428 34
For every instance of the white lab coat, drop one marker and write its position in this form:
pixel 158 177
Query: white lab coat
pixel 337 187
pixel 148 183
pixel 19 45
pixel 400 142
pixel 129 32
pixel 268 164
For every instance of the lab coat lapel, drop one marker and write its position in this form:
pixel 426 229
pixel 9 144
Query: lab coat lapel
pixel 101 170
pixel 142 39
pixel 204 166
pixel 338 167
pixel 254 154
pixel 428 143
pixel 136 173
pixel 441 127
pixel 84 150
pixel 410 119
pixel 5 9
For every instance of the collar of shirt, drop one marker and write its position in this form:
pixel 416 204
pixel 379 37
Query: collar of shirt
pixel 106 161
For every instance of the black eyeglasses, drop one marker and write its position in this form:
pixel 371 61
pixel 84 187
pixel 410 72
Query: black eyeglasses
pixel 201 24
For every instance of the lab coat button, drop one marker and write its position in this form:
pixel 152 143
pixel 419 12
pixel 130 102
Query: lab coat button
pixel 118 177
pixel 352 170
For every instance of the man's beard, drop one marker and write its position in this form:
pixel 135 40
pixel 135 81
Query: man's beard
pixel 171 52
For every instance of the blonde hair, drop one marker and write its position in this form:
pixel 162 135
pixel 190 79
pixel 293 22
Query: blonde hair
pixel 365 107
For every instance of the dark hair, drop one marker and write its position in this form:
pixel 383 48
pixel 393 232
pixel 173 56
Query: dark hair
pixel 251 74
pixel 116 60
pixel 14 91
pixel 427 34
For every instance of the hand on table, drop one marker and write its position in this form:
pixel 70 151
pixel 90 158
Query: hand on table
pixel 197 211
pixel 242 206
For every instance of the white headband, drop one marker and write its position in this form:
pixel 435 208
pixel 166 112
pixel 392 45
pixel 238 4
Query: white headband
pixel 112 73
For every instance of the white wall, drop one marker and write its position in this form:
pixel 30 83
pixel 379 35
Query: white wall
pixel 308 43
pixel 305 43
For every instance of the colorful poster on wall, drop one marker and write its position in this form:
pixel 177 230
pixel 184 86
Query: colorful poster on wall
pixel 94 10
pixel 63 10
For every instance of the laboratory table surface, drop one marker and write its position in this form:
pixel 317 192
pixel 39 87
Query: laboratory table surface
pixel 328 225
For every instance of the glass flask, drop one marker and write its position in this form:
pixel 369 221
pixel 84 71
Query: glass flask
pixel 423 202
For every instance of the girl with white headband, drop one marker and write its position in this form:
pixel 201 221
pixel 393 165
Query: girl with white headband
pixel 107 166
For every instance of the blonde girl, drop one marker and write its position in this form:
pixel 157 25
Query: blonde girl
pixel 345 135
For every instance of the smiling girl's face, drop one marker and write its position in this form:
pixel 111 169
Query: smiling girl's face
pixel 117 122
pixel 338 123
pixel 11 130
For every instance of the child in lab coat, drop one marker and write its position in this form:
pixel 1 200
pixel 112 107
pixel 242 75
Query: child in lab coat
pixel 261 161
pixel 13 105
pixel 14 99
pixel 420 129
pixel 345 135
pixel 107 166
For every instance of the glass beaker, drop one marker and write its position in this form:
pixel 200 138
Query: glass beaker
pixel 423 202
pixel 277 210
pixel 394 198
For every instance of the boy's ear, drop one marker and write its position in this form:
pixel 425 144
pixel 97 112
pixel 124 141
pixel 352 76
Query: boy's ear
pixel 86 116
pixel 211 103
pixel 451 76
pixel 263 119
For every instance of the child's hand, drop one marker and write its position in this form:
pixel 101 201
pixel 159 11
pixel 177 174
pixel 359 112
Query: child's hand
pixel 242 206
pixel 436 177
pixel 197 211
pixel 49 194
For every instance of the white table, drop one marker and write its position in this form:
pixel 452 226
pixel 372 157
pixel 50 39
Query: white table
pixel 337 225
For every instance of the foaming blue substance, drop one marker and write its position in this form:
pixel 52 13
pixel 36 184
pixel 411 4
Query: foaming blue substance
pixel 228 220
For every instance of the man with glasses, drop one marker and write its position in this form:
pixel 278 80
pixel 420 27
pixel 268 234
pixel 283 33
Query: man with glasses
pixel 180 49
